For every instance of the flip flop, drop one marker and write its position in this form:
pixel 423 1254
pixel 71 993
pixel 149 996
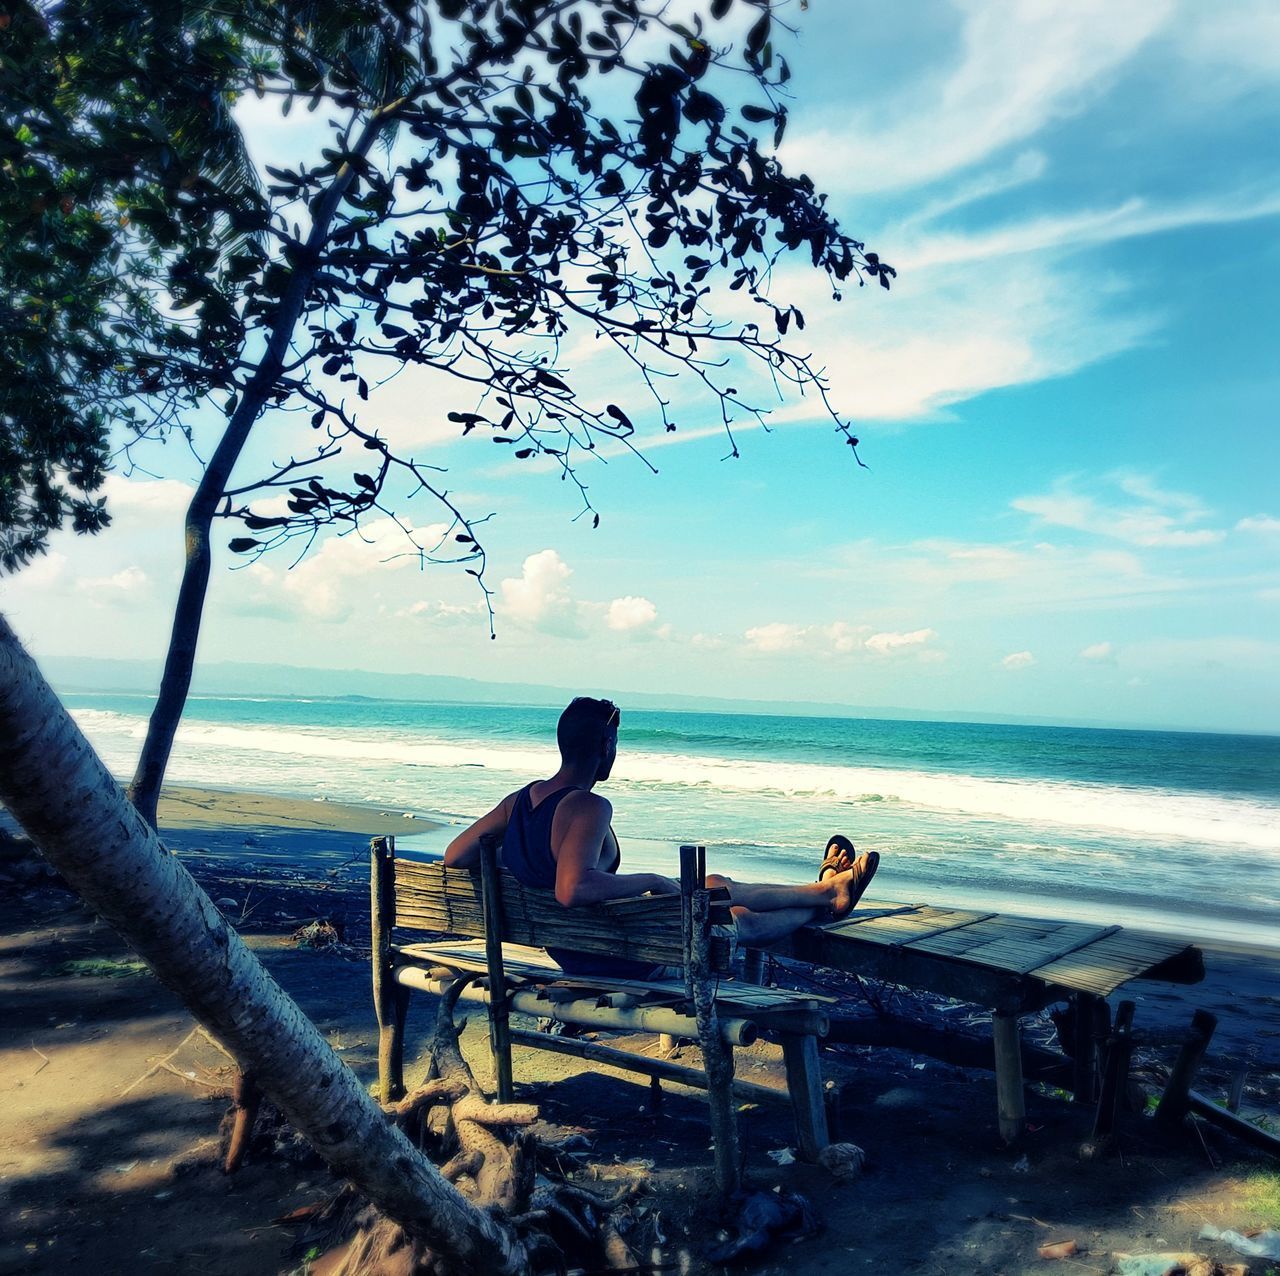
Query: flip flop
pixel 859 887
pixel 837 845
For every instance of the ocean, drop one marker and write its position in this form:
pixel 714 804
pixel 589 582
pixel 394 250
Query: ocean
pixel 1169 831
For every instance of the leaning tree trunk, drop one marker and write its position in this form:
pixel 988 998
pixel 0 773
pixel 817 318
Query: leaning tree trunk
pixel 175 683
pixel 59 791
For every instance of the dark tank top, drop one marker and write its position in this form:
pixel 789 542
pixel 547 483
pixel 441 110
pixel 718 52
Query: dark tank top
pixel 526 855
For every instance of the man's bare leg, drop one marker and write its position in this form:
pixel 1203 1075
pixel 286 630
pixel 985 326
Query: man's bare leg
pixel 755 930
pixel 766 897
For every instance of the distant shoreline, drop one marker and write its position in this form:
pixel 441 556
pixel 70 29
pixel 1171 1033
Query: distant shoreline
pixel 84 676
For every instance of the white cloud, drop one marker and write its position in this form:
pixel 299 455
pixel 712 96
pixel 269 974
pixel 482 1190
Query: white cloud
pixel 844 637
pixel 1020 67
pixel 628 614
pixel 884 643
pixel 126 583
pixel 951 332
pixel 775 637
pixel 1160 522
pixel 146 499
pixel 1262 524
pixel 1130 219
pixel 339 578
pixel 1101 652
pixel 539 597
pixel 837 638
pixel 1018 660
pixel 44 570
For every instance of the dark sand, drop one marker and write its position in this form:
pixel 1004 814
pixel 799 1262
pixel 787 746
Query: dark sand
pixel 107 1164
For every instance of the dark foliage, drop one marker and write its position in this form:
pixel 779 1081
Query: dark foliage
pixel 500 177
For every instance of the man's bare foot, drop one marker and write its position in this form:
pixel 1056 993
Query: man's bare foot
pixel 848 887
pixel 838 857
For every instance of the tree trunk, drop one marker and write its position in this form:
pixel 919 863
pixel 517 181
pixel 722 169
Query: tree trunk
pixel 59 791
pixel 175 682
pixel 180 660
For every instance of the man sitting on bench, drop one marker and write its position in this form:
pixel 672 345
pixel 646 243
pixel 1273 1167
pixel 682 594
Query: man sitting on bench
pixel 556 835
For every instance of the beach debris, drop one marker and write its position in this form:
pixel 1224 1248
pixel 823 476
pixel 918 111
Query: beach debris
pixel 843 1161
pixel 765 1217
pixel 1162 1264
pixel 1262 1244
pixel 1022 1165
pixel 226 904
pixel 320 935
pixel 1058 1249
pixel 782 1156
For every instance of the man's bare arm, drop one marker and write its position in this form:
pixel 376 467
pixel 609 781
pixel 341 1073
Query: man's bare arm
pixel 579 879
pixel 464 850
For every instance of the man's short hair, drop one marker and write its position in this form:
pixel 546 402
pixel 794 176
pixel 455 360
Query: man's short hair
pixel 584 725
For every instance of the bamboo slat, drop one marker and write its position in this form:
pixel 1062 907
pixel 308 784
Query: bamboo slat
pixel 1019 948
pixel 434 898
pixel 897 929
pixel 532 964
pixel 1103 966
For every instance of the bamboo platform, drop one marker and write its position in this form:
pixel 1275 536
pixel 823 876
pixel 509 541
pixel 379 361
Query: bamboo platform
pixel 1011 964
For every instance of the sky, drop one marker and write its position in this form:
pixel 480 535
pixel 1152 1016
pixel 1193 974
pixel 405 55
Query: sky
pixel 1067 407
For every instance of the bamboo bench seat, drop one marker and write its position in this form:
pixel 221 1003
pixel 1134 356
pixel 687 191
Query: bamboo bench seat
pixel 498 929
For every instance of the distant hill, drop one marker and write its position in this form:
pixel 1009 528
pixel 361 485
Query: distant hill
pixel 235 679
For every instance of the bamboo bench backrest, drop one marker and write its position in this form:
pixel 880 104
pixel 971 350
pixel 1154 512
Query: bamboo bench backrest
pixel 429 897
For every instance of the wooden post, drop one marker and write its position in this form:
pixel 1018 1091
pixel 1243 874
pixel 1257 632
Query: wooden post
pixel 1010 1101
pixel 753 966
pixel 1236 1092
pixel 1092 1025
pixel 717 1056
pixel 1115 1077
pixel 804 1084
pixel 688 884
pixel 1174 1102
pixel 382 918
pixel 499 1011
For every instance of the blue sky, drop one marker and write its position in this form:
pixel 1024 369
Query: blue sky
pixel 1067 404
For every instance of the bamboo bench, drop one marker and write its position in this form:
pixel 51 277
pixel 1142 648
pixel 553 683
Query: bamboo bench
pixel 504 925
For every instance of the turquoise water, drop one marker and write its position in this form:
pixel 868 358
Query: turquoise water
pixel 1174 831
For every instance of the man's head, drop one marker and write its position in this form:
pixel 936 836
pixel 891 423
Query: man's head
pixel 588 734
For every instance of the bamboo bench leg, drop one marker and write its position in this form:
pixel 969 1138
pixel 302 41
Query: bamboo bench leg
pixel 389 1001
pixel 753 966
pixel 1010 1101
pixel 1092 1028
pixel 1115 1079
pixel 717 1058
pixel 804 1084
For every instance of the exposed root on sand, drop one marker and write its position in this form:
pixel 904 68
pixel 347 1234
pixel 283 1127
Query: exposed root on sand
pixel 489 1154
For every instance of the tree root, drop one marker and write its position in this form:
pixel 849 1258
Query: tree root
pixel 487 1152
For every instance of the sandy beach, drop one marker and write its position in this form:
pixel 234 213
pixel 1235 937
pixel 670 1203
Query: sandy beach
pixel 112 1100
